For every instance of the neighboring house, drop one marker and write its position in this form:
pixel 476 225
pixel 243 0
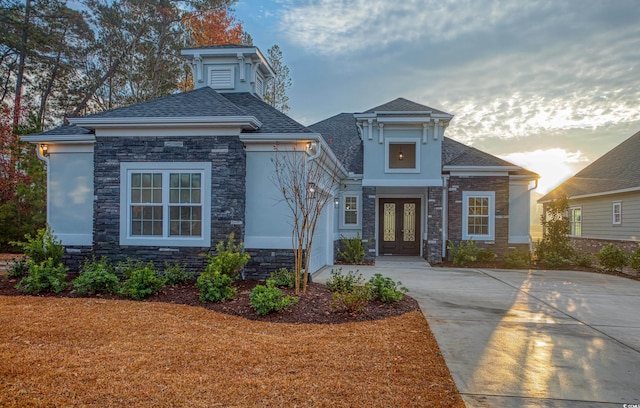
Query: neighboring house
pixel 169 178
pixel 604 199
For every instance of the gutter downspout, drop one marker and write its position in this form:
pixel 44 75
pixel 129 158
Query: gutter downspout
pixel 445 215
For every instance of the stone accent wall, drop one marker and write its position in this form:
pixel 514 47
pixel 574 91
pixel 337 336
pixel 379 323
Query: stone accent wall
pixel 74 257
pixel 500 185
pixel 432 247
pixel 369 221
pixel 265 261
pixel 227 157
pixel 593 246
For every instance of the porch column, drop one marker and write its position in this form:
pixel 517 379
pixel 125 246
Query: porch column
pixel 369 221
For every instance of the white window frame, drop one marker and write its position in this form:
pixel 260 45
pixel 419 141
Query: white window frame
pixel 573 222
pixel 127 168
pixel 343 208
pixel 616 205
pixel 232 77
pixel 403 140
pixel 491 195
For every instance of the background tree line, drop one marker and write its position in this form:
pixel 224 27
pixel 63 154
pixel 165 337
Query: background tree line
pixel 62 59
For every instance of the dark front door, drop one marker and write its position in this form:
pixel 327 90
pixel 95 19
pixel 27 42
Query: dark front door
pixel 399 231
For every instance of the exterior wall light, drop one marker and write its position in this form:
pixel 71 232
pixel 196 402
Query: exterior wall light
pixel 311 189
pixel 44 149
pixel 336 202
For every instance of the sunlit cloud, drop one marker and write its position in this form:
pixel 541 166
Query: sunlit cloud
pixel 553 165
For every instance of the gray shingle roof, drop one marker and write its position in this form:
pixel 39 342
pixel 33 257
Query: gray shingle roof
pixel 341 134
pixel 66 130
pixel 273 121
pixel 403 105
pixel 199 102
pixel 618 169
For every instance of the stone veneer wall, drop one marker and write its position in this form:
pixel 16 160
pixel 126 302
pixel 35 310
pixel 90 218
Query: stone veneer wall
pixel 265 261
pixel 74 256
pixel 500 185
pixel 432 247
pixel 593 245
pixel 228 161
pixel 369 221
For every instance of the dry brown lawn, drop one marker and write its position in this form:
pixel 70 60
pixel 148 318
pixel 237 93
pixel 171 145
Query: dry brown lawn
pixel 90 352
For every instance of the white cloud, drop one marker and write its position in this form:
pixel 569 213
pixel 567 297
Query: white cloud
pixel 553 165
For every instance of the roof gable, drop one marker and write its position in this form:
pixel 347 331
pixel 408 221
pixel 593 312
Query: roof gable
pixel 273 121
pixel 404 105
pixel 618 169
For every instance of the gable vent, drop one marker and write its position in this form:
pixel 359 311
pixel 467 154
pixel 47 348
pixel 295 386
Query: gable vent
pixel 260 85
pixel 221 78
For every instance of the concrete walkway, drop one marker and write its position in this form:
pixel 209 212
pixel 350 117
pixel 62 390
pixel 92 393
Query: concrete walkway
pixel 529 338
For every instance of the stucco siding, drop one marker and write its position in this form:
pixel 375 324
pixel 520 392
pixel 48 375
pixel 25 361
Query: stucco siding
pixel 597 217
pixel 519 212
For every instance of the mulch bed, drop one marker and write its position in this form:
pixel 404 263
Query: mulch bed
pixel 313 307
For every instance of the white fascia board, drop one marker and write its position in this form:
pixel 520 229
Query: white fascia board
pixel 364 115
pixel 403 112
pixel 479 174
pixel 404 119
pixel 252 52
pixel 62 139
pixel 604 193
pixel 271 138
pixel 480 169
pixel 522 178
pixel 250 122
pixel 401 183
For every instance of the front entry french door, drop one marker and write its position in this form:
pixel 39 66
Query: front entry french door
pixel 399 226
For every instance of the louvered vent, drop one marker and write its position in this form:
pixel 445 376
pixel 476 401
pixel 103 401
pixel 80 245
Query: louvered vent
pixel 221 78
pixel 259 86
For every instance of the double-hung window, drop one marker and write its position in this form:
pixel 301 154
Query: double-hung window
pixel 617 213
pixel 350 211
pixel 575 221
pixel 478 215
pixel 165 204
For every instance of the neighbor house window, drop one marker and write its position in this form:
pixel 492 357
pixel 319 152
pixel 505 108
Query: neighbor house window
pixel 575 221
pixel 402 156
pixel 350 211
pixel 165 204
pixel 478 215
pixel 617 213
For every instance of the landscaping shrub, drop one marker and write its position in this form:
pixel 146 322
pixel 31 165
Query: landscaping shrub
pixel 612 258
pixel 583 260
pixel 142 280
pixel 19 268
pixel 47 276
pixel 267 299
pixel 283 278
pixel 516 259
pixel 42 247
pixel 354 250
pixel 338 282
pixel 485 255
pixel 354 300
pixel 229 258
pixel 552 260
pixel 463 254
pixel 634 259
pixel 97 277
pixel 215 286
pixel 386 289
pixel 554 250
pixel 176 274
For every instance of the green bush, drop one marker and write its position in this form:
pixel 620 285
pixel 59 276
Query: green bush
pixel 554 250
pixel 283 278
pixel 142 280
pixel 612 258
pixel 463 254
pixel 47 276
pixel 267 299
pixel 338 282
pixel 516 259
pixel 42 247
pixel 215 286
pixel 485 255
pixel 97 277
pixel 354 250
pixel 354 300
pixel 229 258
pixel 552 260
pixel 634 259
pixel 583 260
pixel 19 268
pixel 176 274
pixel 386 289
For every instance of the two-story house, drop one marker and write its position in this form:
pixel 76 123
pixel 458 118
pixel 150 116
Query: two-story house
pixel 169 178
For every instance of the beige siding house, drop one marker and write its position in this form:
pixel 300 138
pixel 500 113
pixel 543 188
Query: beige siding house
pixel 604 199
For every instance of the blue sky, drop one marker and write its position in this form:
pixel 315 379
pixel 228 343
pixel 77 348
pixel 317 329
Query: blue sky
pixel 549 85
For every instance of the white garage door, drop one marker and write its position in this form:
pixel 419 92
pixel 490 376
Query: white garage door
pixel 320 251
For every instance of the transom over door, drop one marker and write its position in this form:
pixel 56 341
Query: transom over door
pixel 399 226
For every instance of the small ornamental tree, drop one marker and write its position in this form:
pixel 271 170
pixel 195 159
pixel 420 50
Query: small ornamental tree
pixel 555 245
pixel 306 176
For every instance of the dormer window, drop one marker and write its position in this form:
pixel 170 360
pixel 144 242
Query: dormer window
pixel 402 156
pixel 222 77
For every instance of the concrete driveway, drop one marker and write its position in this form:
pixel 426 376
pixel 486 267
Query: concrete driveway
pixel 529 338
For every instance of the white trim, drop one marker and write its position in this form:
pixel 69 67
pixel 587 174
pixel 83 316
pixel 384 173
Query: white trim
pixel 615 204
pixel 491 195
pixel 480 168
pixel 402 140
pixel 250 51
pixel 250 122
pixel 343 208
pixel 625 190
pixel 402 183
pixel 126 239
pixel 571 223
pixel 259 242
pixel 479 174
pixel 67 139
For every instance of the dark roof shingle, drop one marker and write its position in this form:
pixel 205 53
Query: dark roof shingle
pixel 341 134
pixel 403 105
pixel 273 121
